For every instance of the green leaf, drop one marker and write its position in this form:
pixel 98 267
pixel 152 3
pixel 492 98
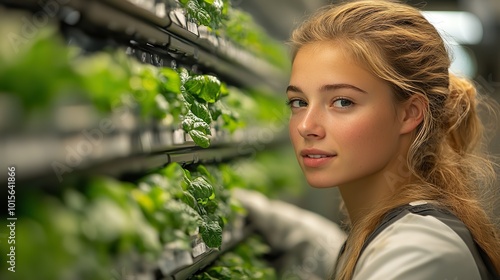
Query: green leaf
pixel 189 199
pixel 193 122
pixel 145 202
pixel 211 207
pixel 187 98
pixel 170 80
pixel 155 180
pixel 41 70
pixel 211 232
pixel 187 175
pixel 221 273
pixel 159 196
pixel 204 172
pixel 243 262
pixel 224 91
pixel 230 178
pixel 181 216
pixel 197 12
pixel 201 190
pixel 211 13
pixel 200 138
pixel 198 129
pixel 173 171
pixel 206 87
pixel 183 75
pixel 215 109
pixel 206 276
pixel 201 110
pixel 232 123
pixel 103 187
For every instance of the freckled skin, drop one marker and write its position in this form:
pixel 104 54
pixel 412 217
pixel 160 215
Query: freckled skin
pixel 363 132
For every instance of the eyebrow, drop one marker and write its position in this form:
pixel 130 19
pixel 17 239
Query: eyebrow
pixel 328 87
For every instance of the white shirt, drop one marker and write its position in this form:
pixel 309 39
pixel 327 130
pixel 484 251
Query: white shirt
pixel 417 247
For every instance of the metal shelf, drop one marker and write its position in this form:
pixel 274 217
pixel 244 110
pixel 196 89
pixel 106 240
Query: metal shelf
pixel 180 264
pixel 203 256
pixel 130 147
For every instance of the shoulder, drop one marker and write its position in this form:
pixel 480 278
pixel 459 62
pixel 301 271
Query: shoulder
pixel 417 247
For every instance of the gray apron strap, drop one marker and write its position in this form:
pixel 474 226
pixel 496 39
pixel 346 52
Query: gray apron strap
pixel 484 264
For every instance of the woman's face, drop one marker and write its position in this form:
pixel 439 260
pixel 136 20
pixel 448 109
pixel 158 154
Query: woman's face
pixel 343 124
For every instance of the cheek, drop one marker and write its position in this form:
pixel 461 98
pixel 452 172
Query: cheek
pixel 370 138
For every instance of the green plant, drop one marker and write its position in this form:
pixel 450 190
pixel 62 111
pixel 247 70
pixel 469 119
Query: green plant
pixel 243 262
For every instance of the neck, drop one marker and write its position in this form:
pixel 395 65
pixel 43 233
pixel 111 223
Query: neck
pixel 364 195
pixel 360 198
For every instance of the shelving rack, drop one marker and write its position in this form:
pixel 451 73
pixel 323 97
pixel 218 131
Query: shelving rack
pixel 163 38
pixel 165 41
pixel 156 33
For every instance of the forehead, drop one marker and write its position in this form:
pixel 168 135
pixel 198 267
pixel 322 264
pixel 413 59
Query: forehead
pixel 328 62
pixel 324 47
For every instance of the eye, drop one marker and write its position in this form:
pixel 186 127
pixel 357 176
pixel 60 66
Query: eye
pixel 342 103
pixel 296 103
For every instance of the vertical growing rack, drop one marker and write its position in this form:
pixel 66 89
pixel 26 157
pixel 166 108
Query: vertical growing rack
pixel 125 146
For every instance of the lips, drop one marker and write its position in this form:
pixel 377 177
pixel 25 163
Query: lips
pixel 316 158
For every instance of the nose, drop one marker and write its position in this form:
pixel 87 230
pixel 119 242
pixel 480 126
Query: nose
pixel 311 125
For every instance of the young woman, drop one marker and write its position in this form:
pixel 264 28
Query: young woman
pixel 376 113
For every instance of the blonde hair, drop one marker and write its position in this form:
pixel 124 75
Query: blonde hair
pixel 396 43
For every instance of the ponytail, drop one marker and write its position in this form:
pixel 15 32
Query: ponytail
pixel 464 172
pixel 462 124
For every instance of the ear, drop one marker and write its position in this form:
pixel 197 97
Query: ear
pixel 412 113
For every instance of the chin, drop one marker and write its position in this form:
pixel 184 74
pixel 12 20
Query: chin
pixel 321 184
